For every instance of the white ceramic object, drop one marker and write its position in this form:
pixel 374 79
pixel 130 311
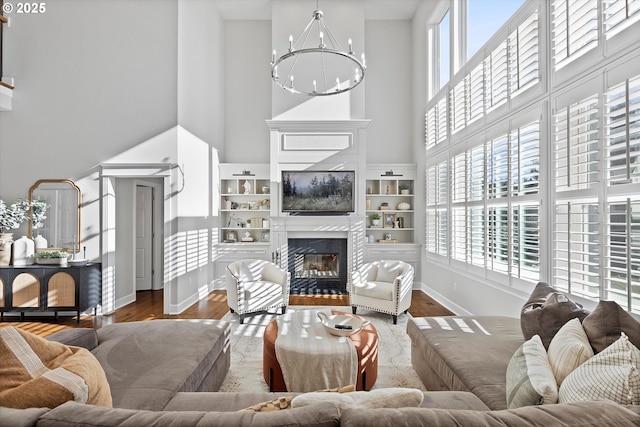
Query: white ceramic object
pixel 403 206
pixel 40 242
pixel 23 249
pixel 351 324
pixel 78 262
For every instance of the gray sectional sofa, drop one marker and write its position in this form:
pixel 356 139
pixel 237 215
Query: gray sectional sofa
pixel 167 373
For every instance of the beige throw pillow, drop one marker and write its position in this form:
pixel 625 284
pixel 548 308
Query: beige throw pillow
pixel 35 373
pixel 612 374
pixel 569 349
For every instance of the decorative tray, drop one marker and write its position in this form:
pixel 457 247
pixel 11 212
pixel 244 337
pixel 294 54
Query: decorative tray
pixel 342 325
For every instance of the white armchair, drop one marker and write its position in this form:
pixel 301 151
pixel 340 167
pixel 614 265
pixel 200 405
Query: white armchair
pixel 256 285
pixel 383 286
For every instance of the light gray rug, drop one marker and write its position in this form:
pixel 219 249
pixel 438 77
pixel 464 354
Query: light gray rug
pixel 394 350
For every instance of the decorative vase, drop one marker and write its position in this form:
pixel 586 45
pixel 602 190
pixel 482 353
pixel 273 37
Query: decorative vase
pixel 404 191
pixel 6 240
pixel 23 249
pixel 375 222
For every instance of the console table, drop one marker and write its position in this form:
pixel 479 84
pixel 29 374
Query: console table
pixel 50 288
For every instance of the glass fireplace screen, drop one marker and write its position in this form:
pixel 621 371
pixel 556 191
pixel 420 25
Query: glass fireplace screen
pixel 318 266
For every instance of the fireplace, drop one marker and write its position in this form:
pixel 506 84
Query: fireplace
pixel 318 266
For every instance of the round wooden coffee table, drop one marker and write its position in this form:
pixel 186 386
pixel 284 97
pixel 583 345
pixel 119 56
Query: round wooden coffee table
pixel 366 344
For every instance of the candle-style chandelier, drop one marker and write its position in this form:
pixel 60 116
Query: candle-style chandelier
pixel 320 70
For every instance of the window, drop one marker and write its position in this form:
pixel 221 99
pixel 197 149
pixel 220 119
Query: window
pixel 444 38
pixel 575 29
pixel 619 15
pixel 507 168
pixel 484 18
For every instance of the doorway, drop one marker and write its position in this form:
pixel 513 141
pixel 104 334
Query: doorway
pixel 148 227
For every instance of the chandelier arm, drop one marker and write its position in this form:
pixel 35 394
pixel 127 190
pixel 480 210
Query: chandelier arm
pixel 306 32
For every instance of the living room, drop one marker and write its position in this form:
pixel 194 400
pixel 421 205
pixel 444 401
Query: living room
pixel 165 92
pixel 526 140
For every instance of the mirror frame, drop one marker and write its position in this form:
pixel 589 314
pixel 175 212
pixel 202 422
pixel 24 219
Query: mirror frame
pixel 35 186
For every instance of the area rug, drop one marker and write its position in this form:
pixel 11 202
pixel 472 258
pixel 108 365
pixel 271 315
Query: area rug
pixel 394 350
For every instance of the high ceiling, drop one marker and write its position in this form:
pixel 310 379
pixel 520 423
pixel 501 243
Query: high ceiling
pixel 261 9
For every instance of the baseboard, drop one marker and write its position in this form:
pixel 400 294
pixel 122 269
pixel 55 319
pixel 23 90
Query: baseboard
pixel 446 302
pixel 121 302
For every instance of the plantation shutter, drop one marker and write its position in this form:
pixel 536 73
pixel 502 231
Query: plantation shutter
pixel 524 56
pixel 525 159
pixel 525 250
pixel 496 79
pixel 576 140
pixel 575 29
pixel 619 15
pixel 458 96
pixel 476 93
pixel 498 168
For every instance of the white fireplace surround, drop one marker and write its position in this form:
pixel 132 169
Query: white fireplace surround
pixel 318 145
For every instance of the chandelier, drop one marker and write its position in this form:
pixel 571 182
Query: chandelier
pixel 320 70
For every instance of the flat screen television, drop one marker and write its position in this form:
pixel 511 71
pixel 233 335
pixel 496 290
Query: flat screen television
pixel 314 192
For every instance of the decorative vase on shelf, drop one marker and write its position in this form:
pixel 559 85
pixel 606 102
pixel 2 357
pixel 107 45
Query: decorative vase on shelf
pixel 6 240
pixel 23 250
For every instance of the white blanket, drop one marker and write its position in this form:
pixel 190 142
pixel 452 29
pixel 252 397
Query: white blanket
pixel 310 357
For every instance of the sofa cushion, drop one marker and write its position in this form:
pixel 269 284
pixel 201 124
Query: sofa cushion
pixel 35 372
pixel 530 380
pixel 388 272
pixel 604 325
pixel 569 349
pixel 378 398
pixel 613 374
pixel 73 414
pixel 465 353
pixel 598 413
pixel 546 311
pixel 12 417
pixel 147 363
pixel 79 337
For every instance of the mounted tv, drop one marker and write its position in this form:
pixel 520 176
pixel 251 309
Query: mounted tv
pixel 314 192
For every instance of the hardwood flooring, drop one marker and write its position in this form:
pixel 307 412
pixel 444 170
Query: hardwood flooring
pixel 149 306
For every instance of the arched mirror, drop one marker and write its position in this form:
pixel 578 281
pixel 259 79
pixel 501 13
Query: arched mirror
pixel 61 227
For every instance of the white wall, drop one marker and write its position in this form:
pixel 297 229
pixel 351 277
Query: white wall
pixel 247 94
pixel 200 73
pixel 92 79
pixel 388 92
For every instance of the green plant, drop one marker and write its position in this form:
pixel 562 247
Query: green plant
pixel 51 254
pixel 13 215
pixel 374 216
pixel 403 186
pixel 38 210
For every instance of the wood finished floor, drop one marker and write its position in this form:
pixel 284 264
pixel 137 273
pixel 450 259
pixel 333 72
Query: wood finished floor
pixel 149 306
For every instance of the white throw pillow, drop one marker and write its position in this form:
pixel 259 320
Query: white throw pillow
pixel 388 272
pixel 613 374
pixel 250 272
pixel 569 349
pixel 380 398
pixel 530 380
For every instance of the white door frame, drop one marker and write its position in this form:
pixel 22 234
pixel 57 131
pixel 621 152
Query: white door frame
pixel 108 174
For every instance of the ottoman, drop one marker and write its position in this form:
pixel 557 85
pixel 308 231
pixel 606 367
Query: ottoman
pixel 366 344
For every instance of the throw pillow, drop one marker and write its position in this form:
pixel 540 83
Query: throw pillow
pixel 250 271
pixel 613 374
pixel 530 380
pixel 546 311
pixel 604 325
pixel 35 372
pixel 569 349
pixel 285 402
pixel 388 272
pixel 379 398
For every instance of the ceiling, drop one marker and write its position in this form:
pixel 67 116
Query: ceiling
pixel 261 9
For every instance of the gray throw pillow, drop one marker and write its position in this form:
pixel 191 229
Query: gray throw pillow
pixel 604 325
pixel 546 311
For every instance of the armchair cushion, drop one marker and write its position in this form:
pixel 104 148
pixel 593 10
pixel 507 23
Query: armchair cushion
pixel 379 290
